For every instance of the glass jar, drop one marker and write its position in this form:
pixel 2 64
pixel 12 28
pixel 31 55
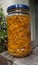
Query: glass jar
pixel 18 27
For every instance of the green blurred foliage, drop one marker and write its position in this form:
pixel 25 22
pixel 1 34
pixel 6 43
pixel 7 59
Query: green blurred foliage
pixel 3 30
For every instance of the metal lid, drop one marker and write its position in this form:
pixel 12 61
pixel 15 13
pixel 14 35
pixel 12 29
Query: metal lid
pixel 18 6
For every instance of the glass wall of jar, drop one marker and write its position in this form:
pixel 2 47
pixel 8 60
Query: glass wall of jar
pixel 18 27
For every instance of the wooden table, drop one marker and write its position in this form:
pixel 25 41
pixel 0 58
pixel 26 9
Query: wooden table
pixel 32 59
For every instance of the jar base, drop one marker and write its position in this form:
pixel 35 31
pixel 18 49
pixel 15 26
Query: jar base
pixel 19 56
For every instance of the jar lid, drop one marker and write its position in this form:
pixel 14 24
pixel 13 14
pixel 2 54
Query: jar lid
pixel 18 6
